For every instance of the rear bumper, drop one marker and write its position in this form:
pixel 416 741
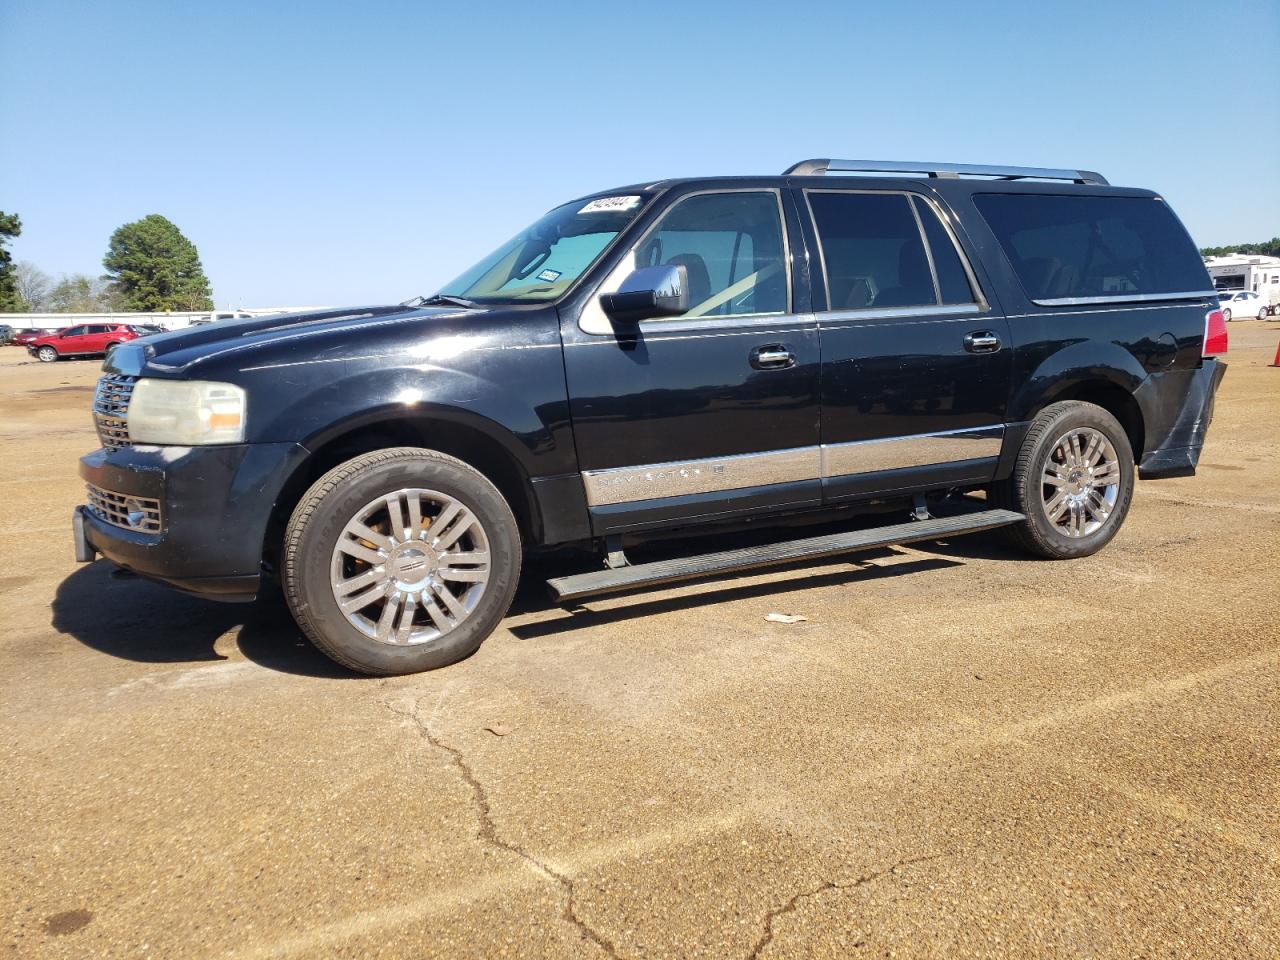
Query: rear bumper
pixel 215 504
pixel 1178 452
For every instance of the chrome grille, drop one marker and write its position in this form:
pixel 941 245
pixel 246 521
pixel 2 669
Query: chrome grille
pixel 110 405
pixel 123 510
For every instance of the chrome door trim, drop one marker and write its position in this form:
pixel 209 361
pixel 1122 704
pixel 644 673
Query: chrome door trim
pixel 710 475
pixel 677 478
pixel 895 313
pixel 917 450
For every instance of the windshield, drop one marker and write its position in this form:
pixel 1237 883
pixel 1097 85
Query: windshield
pixel 540 263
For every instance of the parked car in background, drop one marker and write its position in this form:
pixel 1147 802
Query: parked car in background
pixel 146 329
pixel 22 338
pixel 6 333
pixel 1242 305
pixel 87 339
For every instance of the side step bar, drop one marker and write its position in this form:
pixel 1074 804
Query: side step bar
pixel 642 575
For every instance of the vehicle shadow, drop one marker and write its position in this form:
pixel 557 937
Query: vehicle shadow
pixel 134 619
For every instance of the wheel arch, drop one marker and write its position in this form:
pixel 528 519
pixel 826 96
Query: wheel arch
pixel 448 432
pixel 1104 374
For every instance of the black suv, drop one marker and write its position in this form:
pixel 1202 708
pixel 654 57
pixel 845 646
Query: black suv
pixel 685 353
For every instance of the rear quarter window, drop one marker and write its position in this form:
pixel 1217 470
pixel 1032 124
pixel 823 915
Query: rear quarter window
pixel 1071 247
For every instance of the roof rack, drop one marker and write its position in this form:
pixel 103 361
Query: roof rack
pixel 950 171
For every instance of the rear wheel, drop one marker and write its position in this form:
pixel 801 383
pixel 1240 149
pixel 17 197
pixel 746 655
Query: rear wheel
pixel 401 560
pixel 1073 480
pixel 1262 313
pixel 1226 314
pixel 47 354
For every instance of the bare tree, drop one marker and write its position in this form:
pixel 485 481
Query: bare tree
pixel 32 285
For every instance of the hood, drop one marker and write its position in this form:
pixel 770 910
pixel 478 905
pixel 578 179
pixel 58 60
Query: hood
pixel 180 349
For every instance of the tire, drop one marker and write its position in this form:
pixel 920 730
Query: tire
pixel 1044 469
pixel 1262 313
pixel 47 354
pixel 457 593
pixel 1226 314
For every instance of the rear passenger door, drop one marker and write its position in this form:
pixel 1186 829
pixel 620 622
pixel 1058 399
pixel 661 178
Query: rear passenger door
pixel 916 361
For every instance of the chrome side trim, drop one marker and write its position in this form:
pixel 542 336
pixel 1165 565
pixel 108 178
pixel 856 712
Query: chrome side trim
pixel 1122 298
pixel 684 477
pixel 919 450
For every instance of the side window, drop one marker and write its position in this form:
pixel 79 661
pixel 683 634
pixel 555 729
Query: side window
pixel 872 250
pixel 732 248
pixel 75 332
pixel 1086 246
pixel 953 282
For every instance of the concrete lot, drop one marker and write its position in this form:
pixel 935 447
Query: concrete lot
pixel 961 753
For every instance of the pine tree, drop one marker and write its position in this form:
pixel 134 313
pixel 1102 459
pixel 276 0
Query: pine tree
pixel 152 266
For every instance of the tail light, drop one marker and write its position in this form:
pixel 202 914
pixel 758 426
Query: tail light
pixel 1215 334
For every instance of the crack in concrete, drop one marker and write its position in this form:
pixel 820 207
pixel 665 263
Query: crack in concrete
pixel 790 906
pixel 487 832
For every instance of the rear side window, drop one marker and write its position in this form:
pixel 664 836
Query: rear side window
pixel 1066 247
pixel 875 256
pixel 953 282
pixel 872 250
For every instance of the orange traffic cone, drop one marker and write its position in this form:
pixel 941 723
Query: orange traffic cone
pixel 1276 362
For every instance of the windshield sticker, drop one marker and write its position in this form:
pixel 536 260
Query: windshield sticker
pixel 610 204
pixel 549 276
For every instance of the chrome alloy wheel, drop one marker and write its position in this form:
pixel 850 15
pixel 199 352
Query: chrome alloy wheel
pixel 1080 482
pixel 410 566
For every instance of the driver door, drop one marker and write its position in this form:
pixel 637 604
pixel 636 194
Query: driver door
pixel 713 413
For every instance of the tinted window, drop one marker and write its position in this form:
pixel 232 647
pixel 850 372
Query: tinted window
pixel 953 282
pixel 872 251
pixel 731 246
pixel 74 331
pixel 1081 246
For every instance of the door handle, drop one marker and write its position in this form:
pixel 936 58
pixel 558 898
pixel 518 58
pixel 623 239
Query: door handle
pixel 774 356
pixel 984 341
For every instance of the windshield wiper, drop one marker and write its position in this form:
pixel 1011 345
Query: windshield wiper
pixel 440 300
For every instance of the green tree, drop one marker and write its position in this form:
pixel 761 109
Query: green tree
pixel 78 293
pixel 1268 248
pixel 10 301
pixel 152 266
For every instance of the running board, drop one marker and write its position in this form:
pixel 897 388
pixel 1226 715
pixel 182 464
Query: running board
pixel 642 575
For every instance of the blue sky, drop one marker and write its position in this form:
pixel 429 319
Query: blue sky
pixel 330 153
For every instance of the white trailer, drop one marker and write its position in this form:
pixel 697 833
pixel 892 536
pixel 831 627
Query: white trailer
pixel 1242 271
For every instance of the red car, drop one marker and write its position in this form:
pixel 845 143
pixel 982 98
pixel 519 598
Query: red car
pixel 84 340
pixel 22 338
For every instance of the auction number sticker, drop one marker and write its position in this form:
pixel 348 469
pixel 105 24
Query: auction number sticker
pixel 610 204
pixel 549 276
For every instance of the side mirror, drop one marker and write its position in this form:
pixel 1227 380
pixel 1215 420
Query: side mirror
pixel 647 293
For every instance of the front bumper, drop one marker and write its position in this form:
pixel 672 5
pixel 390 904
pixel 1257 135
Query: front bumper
pixel 215 504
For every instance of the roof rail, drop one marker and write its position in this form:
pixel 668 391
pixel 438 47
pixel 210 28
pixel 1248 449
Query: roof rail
pixel 813 168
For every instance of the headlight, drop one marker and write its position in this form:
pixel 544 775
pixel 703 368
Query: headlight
pixel 186 412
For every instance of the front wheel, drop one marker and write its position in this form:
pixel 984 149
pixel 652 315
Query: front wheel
pixel 401 560
pixel 1073 480
pixel 1226 315
pixel 47 354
